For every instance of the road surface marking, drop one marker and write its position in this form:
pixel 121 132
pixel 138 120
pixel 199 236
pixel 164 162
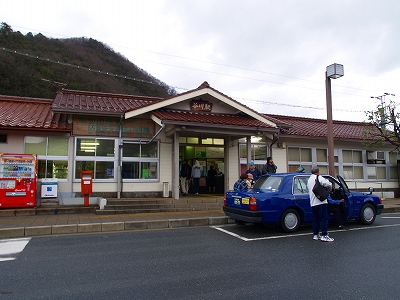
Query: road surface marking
pixel 295 234
pixel 9 248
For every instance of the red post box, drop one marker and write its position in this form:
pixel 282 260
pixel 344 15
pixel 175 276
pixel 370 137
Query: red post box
pixel 86 186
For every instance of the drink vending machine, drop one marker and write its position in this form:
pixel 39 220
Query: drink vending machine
pixel 17 180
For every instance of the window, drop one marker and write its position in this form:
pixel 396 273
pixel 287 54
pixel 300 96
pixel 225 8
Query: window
pixel 393 158
pixel 95 147
pixel 322 155
pixel 352 156
pixel 353 166
pixel 353 172
pixel 300 157
pixel 3 138
pixel 376 172
pixel 300 154
pixel 52 155
pixel 376 157
pixel 300 185
pixel 258 152
pixel 140 160
pixel 393 173
pixel 96 155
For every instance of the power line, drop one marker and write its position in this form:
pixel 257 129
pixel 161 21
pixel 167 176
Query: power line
pixel 224 65
pixel 298 106
pixel 186 89
pixel 78 67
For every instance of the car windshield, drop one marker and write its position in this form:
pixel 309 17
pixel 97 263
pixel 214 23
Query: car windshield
pixel 270 183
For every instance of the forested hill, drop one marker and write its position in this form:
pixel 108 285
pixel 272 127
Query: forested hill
pixel 37 66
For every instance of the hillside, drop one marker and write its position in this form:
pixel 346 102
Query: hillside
pixel 51 64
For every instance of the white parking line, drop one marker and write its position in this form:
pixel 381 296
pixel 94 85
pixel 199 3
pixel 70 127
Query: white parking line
pixel 294 235
pixel 11 247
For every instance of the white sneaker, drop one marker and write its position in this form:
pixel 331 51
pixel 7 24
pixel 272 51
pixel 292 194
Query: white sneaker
pixel 327 238
pixel 316 237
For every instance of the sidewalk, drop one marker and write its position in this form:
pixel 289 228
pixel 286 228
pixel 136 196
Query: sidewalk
pixel 72 223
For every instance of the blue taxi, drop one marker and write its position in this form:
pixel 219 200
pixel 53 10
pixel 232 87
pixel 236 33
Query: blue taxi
pixel 283 198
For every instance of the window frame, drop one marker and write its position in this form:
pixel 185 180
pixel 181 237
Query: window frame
pixel 46 157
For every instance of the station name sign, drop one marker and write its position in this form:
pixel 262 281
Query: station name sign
pixel 109 126
pixel 200 105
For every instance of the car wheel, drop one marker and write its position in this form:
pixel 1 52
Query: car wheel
pixel 367 214
pixel 239 222
pixel 290 220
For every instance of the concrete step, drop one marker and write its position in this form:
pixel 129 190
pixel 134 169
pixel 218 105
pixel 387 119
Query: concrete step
pixel 137 206
pixel 47 211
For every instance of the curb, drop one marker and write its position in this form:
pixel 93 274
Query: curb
pixel 111 226
pixel 32 231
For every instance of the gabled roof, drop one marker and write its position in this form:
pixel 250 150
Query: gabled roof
pixel 203 89
pixel 31 113
pixel 317 128
pixel 93 103
pixel 176 116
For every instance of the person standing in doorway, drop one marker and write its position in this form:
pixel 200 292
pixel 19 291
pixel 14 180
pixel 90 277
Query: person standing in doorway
pixel 197 170
pixel 319 208
pixel 269 167
pixel 211 179
pixel 185 175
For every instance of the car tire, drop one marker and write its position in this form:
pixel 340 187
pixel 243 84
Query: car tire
pixel 290 220
pixel 367 214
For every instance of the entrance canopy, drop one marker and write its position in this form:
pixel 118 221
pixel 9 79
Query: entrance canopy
pixel 206 111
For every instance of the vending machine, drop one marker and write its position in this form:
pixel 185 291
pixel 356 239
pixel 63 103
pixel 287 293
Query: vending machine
pixel 17 180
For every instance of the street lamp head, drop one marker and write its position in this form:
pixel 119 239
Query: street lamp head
pixel 334 71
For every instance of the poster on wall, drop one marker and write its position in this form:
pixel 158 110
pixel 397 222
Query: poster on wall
pixel 215 152
pixel 109 126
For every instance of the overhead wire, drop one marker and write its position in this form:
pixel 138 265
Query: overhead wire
pixel 180 88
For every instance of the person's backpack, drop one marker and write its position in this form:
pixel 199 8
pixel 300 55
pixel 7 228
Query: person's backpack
pixel 320 191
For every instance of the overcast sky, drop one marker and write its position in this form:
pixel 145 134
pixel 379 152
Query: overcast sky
pixel 270 55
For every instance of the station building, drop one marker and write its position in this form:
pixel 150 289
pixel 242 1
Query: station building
pixel 134 145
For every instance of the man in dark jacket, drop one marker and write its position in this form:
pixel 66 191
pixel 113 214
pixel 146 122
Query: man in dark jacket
pixel 269 167
pixel 185 175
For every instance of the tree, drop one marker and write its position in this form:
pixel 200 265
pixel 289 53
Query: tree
pixel 383 126
pixel 5 29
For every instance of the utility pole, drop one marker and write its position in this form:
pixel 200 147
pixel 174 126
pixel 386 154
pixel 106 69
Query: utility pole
pixel 383 122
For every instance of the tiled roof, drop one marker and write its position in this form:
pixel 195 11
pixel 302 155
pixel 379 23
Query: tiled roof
pixel 82 102
pixel 32 113
pixel 307 127
pixel 36 113
pixel 208 118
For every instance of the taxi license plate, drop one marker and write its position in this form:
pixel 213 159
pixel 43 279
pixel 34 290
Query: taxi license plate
pixel 238 201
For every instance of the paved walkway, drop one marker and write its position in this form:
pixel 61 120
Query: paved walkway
pixel 39 225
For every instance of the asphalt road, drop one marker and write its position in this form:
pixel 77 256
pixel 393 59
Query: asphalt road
pixel 227 262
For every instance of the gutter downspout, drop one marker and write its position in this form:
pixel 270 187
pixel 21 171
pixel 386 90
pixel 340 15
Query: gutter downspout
pixel 157 133
pixel 119 172
pixel 276 138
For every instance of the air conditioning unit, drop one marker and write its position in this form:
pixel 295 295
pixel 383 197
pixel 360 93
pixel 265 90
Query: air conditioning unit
pixel 165 189
pixel 376 156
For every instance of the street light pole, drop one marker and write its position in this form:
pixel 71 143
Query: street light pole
pixel 333 71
